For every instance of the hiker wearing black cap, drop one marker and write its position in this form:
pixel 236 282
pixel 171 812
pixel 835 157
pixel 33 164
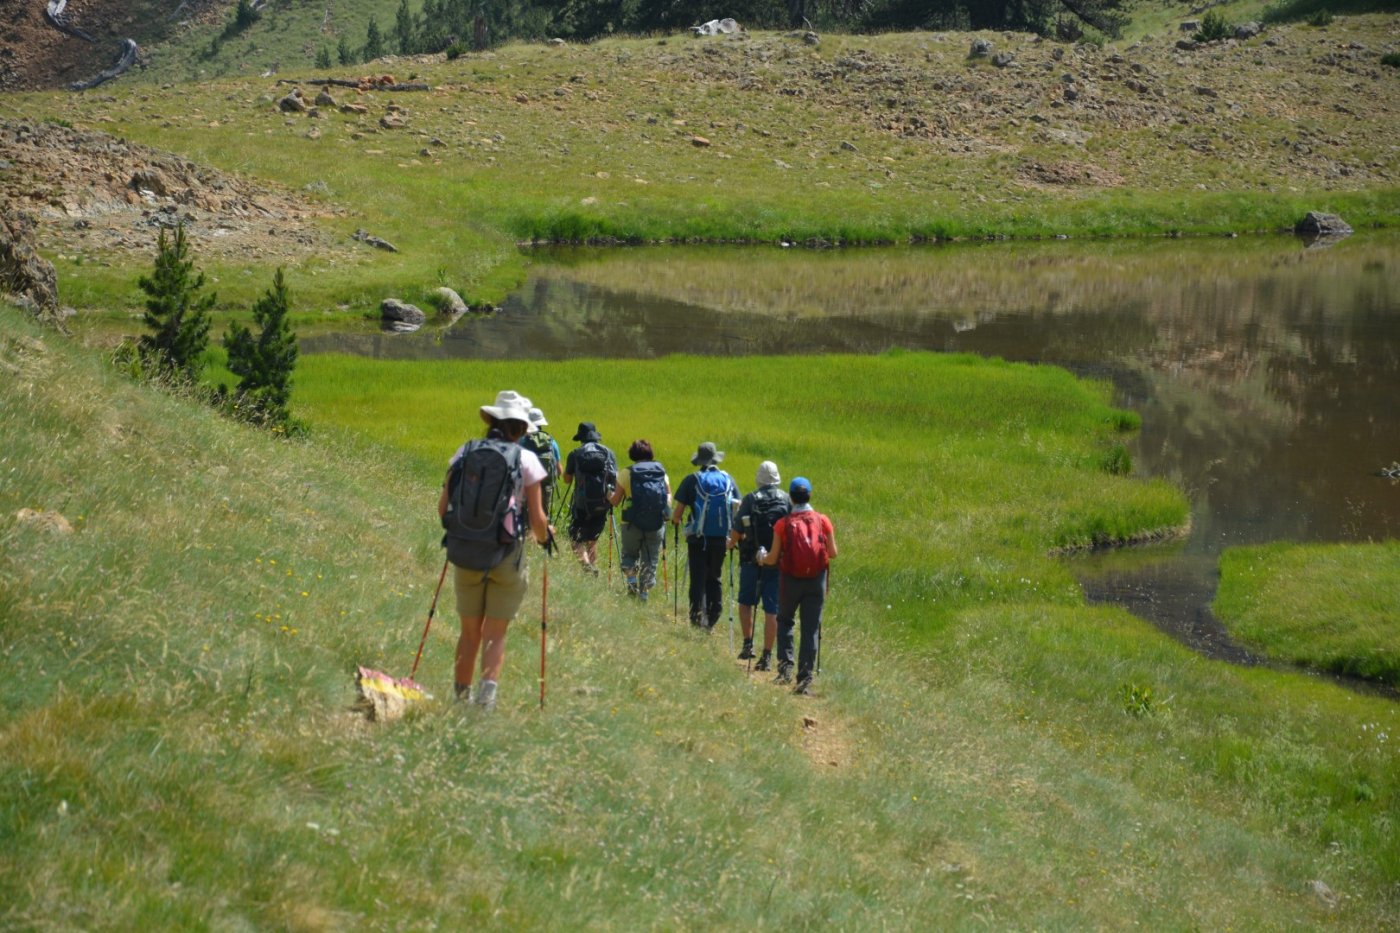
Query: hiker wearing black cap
pixel 710 495
pixel 648 488
pixel 803 546
pixel 753 535
pixel 596 470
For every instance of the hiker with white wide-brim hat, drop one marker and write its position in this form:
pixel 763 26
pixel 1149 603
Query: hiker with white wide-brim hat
pixel 709 495
pixel 490 502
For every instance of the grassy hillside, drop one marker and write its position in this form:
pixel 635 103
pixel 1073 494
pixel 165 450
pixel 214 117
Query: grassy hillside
pixel 175 750
pixel 762 138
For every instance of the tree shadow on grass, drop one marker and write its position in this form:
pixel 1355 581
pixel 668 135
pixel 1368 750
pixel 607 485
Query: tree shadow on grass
pixel 1292 11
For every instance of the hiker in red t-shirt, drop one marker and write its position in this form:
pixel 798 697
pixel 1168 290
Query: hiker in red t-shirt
pixel 803 546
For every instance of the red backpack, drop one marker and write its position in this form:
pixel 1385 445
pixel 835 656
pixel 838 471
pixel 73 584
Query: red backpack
pixel 804 550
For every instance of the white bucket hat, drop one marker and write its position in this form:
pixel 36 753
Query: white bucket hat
pixel 768 474
pixel 510 406
pixel 537 418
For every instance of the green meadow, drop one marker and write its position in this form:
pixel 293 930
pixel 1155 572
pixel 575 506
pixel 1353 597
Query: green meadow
pixel 757 138
pixel 984 749
pixel 1326 606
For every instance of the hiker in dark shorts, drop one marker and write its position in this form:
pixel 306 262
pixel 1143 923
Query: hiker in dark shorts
pixel 710 495
pixel 753 536
pixel 592 471
pixel 648 488
pixel 803 545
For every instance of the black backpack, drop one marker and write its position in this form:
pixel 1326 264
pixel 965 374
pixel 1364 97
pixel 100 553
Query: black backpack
pixel 594 471
pixel 480 494
pixel 650 507
pixel 542 445
pixel 765 508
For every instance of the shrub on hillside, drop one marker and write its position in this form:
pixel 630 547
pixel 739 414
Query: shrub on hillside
pixel 1214 27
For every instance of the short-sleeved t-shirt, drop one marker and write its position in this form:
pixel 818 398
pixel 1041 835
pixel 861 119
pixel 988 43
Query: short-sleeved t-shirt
pixel 780 531
pixel 531 474
pixel 624 481
pixel 687 494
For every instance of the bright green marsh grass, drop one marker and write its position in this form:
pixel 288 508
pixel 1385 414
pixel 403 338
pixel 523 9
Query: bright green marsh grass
pixel 175 751
pixel 1329 606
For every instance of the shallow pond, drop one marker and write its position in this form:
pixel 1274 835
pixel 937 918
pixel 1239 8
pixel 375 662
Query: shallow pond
pixel 1266 370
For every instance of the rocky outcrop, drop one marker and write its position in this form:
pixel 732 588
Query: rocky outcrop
pixel 25 274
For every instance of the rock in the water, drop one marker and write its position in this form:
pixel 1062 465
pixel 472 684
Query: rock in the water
pixel 401 312
pixel 1317 223
pixel 448 302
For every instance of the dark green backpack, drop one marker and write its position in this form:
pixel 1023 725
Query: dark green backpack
pixel 542 446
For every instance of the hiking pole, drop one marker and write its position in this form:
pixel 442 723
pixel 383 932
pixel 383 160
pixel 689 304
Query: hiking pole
pixel 544 622
pixel 676 590
pixel 427 625
pixel 731 602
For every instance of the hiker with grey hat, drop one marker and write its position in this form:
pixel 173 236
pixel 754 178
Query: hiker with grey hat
pixel 803 546
pixel 490 502
pixel 539 442
pixel 592 471
pixel 752 534
pixel 709 497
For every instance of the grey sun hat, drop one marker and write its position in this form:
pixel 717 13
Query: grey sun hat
pixel 768 474
pixel 537 418
pixel 706 454
pixel 510 406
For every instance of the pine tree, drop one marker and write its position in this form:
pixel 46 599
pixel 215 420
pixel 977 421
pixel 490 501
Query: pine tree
pixel 323 57
pixel 175 311
pixel 404 33
pixel 264 362
pixel 343 52
pixel 374 42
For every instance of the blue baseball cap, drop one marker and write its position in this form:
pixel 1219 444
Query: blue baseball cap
pixel 800 484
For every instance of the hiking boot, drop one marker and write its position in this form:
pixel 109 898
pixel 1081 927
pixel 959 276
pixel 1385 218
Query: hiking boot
pixel 784 673
pixel 642 595
pixel 631 586
pixel 463 692
pixel 746 654
pixel 764 662
pixel 486 695
pixel 804 686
